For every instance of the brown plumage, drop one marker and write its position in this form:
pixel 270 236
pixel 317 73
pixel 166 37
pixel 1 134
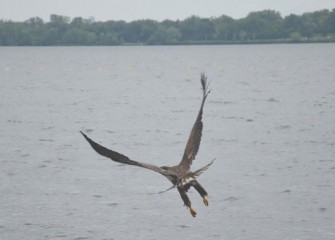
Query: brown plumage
pixel 180 176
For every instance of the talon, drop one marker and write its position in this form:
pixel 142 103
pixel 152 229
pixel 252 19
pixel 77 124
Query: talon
pixel 193 213
pixel 205 201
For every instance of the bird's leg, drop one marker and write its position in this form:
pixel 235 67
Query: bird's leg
pixel 205 200
pixel 201 191
pixel 193 213
pixel 186 201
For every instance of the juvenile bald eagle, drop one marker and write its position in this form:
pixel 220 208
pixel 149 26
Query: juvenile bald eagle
pixel 180 175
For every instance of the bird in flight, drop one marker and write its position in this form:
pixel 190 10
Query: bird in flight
pixel 180 175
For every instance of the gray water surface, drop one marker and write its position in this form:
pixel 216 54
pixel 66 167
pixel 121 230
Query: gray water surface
pixel 269 122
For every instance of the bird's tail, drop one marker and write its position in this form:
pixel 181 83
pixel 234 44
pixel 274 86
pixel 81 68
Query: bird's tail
pixel 173 186
pixel 201 170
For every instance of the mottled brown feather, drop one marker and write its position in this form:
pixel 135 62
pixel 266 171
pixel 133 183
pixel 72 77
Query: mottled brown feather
pixel 118 157
pixel 193 143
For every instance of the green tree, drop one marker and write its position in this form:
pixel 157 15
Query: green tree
pixel 330 22
pixel 59 20
pixel 224 28
pixel 295 36
pixel 292 24
pixel 78 22
pixel 165 35
pixel 14 34
pixel 35 27
pixel 50 36
pixel 265 24
pixel 58 25
pixel 110 38
pixel 195 28
pixel 132 31
pixel 77 36
pixel 147 28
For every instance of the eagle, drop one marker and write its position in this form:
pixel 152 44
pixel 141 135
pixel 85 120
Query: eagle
pixel 180 175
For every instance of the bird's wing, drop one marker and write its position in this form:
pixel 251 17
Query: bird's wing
pixel 194 139
pixel 118 157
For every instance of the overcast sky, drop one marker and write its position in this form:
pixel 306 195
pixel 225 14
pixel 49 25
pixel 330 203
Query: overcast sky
pixel 128 10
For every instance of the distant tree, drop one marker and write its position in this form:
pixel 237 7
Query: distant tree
pixel 35 21
pixel 148 27
pixel 261 25
pixel 165 35
pixel 265 24
pixel 132 31
pixel 224 28
pixel 35 28
pixel 295 36
pixel 110 38
pixel 109 33
pixel 58 25
pixel 14 34
pixel 78 22
pixel 330 23
pixel 50 36
pixel 77 36
pixel 195 28
pixel 169 23
pixel 309 24
pixel 59 20
pixel 292 24
pixel 320 19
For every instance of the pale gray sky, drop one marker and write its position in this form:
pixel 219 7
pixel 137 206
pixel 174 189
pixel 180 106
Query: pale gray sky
pixel 128 10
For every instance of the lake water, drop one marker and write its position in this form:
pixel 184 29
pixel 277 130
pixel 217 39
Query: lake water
pixel 269 122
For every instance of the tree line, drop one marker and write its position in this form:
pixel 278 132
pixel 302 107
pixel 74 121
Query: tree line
pixel 261 26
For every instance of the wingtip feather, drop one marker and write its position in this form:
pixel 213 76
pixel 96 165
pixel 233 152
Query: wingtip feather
pixel 84 135
pixel 204 84
pixel 203 80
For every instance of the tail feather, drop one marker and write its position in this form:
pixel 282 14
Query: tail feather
pixel 201 170
pixel 173 186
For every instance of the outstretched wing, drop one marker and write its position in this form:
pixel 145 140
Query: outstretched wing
pixel 193 143
pixel 118 157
